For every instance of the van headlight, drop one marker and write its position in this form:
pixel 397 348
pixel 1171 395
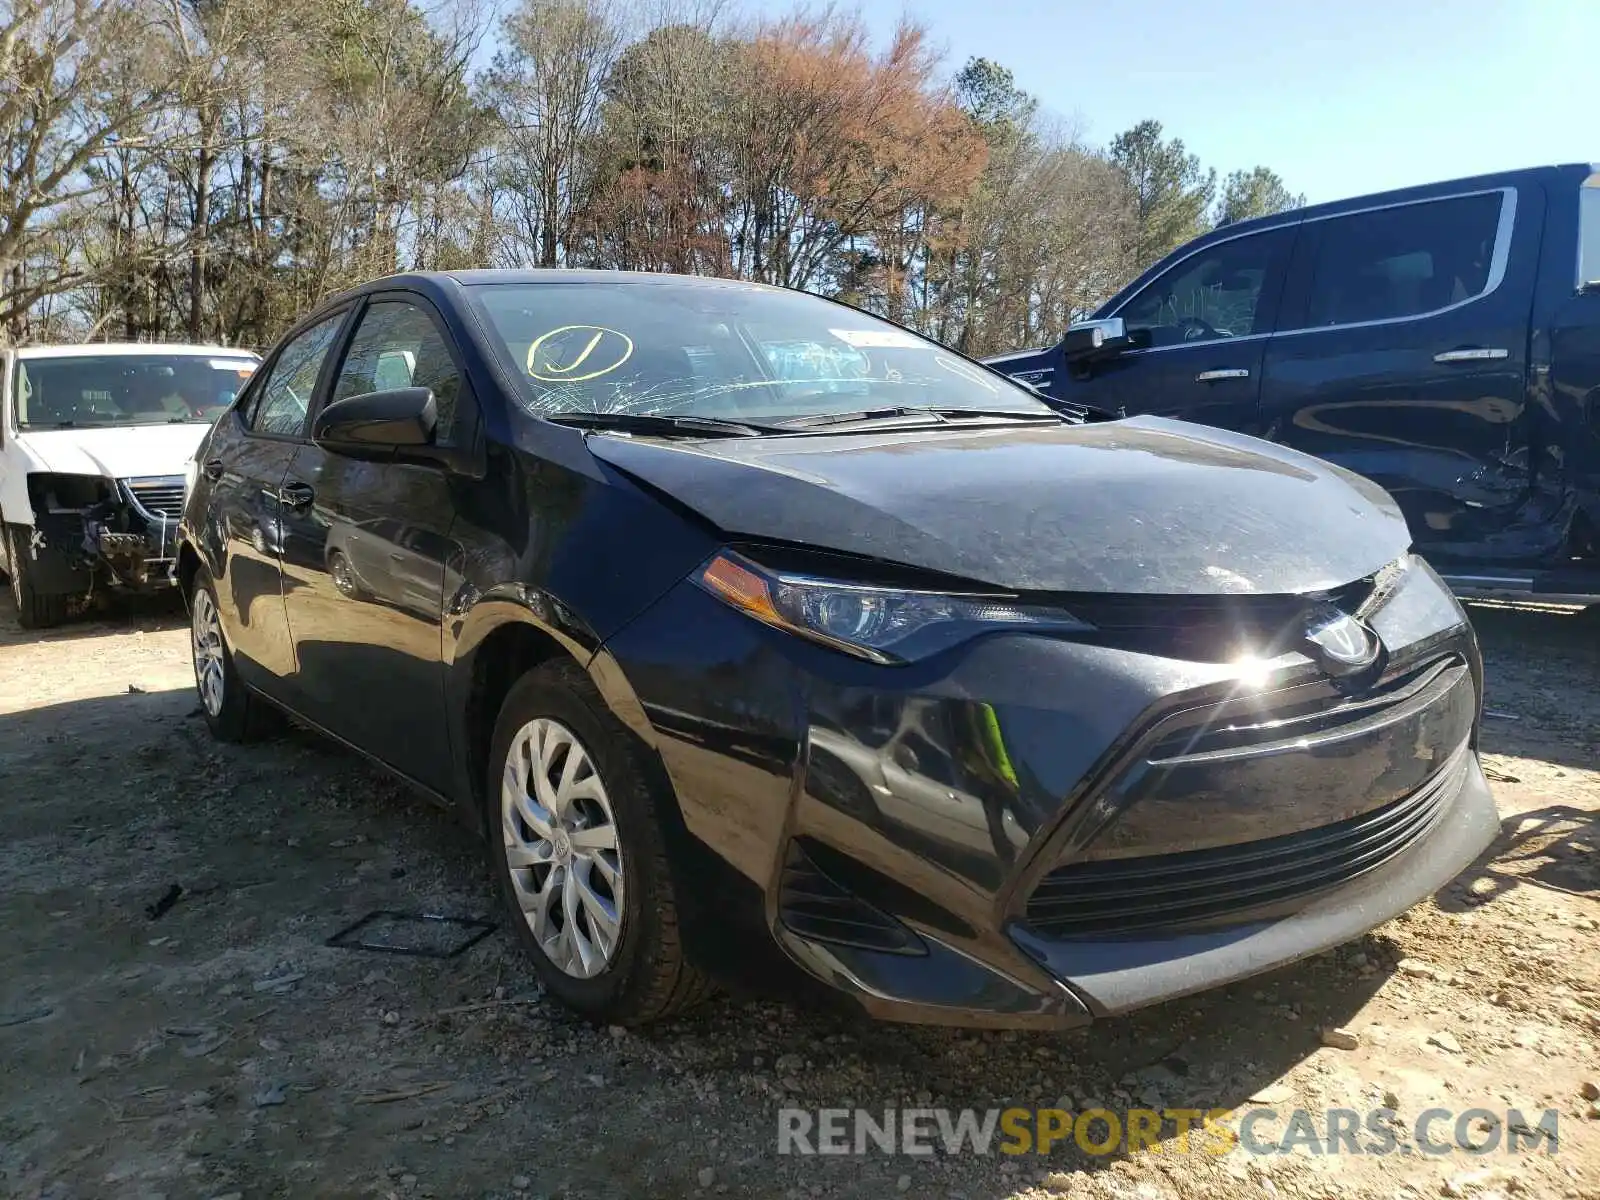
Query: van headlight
pixel 883 625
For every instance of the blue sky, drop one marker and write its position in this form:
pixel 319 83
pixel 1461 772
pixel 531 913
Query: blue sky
pixel 1339 99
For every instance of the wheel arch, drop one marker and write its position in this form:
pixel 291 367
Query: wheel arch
pixel 189 564
pixel 504 635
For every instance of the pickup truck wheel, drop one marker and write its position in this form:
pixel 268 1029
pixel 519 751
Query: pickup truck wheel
pixel 576 846
pixel 232 711
pixel 34 611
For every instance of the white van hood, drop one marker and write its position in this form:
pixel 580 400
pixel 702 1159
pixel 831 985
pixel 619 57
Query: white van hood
pixel 117 452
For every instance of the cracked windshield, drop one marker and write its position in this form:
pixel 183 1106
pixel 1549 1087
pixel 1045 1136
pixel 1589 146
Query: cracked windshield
pixel 733 353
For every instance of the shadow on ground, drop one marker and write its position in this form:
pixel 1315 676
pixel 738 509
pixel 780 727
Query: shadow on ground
pixel 1556 847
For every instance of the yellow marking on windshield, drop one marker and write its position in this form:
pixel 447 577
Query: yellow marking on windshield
pixel 618 349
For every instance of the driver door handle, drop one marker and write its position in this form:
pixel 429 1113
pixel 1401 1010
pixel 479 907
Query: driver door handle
pixel 1471 354
pixel 1222 373
pixel 296 495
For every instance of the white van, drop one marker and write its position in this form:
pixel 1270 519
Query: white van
pixel 95 444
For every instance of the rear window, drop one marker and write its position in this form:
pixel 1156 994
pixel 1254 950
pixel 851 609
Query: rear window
pixel 1589 232
pixel 126 389
pixel 1403 261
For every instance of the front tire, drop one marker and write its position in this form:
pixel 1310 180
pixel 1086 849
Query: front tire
pixel 34 610
pixel 576 846
pixel 233 713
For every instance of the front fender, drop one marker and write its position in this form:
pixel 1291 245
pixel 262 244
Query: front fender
pixel 17 461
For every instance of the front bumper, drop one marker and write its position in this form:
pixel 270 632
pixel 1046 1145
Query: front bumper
pixel 900 824
pixel 128 539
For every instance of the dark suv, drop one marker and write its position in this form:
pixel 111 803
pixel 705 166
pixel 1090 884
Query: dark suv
pixel 715 606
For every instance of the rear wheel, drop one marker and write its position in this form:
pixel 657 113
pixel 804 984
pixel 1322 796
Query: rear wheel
pixel 233 713
pixel 577 848
pixel 34 610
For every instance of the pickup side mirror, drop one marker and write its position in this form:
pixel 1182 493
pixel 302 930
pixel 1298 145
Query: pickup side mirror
pixel 377 424
pixel 1087 341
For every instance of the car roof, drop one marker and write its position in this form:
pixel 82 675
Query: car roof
pixel 130 349
pixel 1421 191
pixel 435 284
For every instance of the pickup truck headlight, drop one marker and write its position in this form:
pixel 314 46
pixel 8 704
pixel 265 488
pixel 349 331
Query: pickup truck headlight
pixel 882 625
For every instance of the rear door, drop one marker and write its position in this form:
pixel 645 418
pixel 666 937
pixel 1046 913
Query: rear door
pixel 244 465
pixel 1403 354
pixel 1203 323
pixel 365 562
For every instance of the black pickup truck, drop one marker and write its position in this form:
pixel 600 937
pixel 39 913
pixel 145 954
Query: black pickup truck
pixel 1443 340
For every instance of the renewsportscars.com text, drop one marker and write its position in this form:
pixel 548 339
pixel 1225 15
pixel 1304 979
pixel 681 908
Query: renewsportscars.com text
pixel 1216 1131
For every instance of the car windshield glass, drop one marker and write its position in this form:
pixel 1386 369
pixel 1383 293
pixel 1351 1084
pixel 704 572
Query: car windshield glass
pixel 126 389
pixel 726 350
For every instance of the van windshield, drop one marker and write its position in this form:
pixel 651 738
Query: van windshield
pixel 724 350
pixel 75 391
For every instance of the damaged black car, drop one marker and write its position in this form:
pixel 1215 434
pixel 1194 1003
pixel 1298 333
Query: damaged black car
pixel 721 609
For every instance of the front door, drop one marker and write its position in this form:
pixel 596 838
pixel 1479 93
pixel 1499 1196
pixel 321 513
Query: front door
pixel 1403 355
pixel 245 464
pixel 1199 330
pixel 364 558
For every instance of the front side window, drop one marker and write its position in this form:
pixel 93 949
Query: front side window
pixel 75 391
pixel 723 349
pixel 285 395
pixel 1220 292
pixel 1400 262
pixel 398 345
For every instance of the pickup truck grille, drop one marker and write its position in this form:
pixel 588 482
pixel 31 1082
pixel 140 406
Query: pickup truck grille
pixel 157 496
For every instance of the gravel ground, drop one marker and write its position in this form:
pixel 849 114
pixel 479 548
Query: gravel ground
pixel 222 1049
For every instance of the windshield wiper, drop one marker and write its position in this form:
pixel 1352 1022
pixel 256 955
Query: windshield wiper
pixel 941 415
pixel 659 423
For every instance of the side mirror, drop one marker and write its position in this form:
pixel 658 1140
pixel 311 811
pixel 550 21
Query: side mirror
pixel 1087 341
pixel 377 424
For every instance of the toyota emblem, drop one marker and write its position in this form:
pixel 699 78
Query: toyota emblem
pixel 1340 643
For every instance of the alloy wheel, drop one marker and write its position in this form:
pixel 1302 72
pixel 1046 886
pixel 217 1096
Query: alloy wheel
pixel 206 635
pixel 343 577
pixel 561 847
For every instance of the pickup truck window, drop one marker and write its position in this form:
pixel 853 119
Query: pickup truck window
pixel 1402 261
pixel 1589 234
pixel 1214 293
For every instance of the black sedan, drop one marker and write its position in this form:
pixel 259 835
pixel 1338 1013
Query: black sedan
pixel 721 608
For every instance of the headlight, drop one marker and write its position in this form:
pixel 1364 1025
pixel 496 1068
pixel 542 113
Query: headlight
pixel 883 625
pixel 191 472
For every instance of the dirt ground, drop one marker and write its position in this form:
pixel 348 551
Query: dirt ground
pixel 222 1049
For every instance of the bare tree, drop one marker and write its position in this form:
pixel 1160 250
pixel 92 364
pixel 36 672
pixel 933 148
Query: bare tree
pixel 56 116
pixel 549 85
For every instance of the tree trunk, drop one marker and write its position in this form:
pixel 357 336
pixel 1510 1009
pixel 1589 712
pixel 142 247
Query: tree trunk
pixel 201 233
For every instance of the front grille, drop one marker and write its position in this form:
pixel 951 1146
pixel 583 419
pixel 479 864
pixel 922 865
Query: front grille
pixel 1209 628
pixel 158 497
pixel 1171 892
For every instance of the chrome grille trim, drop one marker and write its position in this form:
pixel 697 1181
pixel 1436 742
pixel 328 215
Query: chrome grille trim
pixel 156 497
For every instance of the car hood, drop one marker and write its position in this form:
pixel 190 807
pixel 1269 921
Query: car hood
pixel 116 452
pixel 1144 505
